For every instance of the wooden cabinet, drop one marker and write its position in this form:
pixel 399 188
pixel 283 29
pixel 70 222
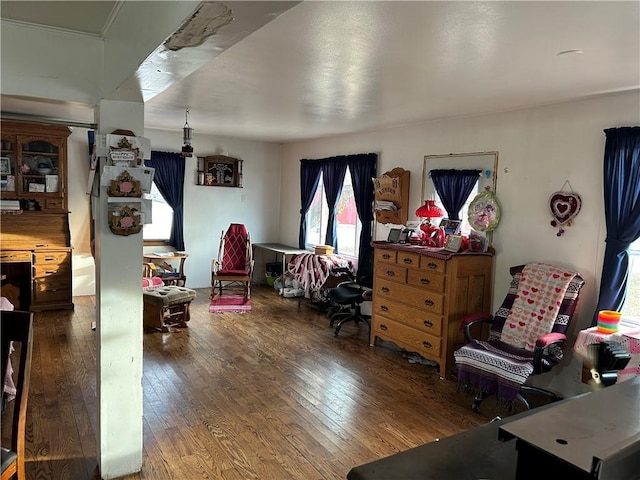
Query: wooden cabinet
pixel 35 240
pixel 392 186
pixel 418 300
pixel 33 165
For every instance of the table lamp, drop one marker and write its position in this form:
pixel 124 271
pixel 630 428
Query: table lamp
pixel 432 236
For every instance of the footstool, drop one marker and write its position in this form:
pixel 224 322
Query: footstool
pixel 167 306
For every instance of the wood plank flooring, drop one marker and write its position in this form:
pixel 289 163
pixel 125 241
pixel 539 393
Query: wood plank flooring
pixel 267 395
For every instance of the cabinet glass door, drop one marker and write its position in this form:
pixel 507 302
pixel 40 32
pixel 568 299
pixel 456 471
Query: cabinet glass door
pixel 40 163
pixel 7 165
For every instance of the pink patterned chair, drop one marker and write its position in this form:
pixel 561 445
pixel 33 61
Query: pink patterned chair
pixel 234 265
pixel 526 338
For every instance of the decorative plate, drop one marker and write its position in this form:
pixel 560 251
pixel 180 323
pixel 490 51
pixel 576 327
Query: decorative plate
pixel 484 212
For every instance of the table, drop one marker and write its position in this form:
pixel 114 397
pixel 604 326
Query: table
pixel 279 249
pixel 628 337
pixel 479 453
pixel 169 278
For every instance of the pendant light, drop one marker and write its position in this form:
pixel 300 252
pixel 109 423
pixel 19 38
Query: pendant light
pixel 187 131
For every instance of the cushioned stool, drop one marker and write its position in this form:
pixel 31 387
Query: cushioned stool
pixel 167 306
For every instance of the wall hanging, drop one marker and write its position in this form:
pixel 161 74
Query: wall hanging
pixel 484 211
pixel 564 207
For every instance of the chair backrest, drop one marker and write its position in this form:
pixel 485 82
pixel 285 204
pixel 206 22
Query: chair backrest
pixel 568 301
pixel 235 248
pixel 17 331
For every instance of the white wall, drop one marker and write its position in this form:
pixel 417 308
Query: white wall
pixel 539 148
pixel 207 210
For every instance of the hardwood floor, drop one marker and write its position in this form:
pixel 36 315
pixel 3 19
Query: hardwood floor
pixel 267 395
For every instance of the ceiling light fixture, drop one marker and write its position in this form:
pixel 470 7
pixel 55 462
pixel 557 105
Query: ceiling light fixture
pixel 569 52
pixel 187 131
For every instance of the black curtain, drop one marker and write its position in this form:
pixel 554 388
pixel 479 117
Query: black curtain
pixel 333 172
pixel 309 180
pixel 454 187
pixel 169 178
pixel 622 213
pixel 363 169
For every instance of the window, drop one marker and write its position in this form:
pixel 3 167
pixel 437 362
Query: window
pixel 348 225
pixel 161 217
pixel 631 307
pixel 465 228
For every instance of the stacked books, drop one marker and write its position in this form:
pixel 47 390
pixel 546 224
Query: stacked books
pixel 10 206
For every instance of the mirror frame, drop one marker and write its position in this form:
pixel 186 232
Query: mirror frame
pixel 485 161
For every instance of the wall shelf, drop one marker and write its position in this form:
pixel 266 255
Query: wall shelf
pixel 219 171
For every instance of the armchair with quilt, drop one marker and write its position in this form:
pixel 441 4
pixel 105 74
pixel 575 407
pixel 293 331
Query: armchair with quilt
pixel 526 338
pixel 234 265
pixel 350 294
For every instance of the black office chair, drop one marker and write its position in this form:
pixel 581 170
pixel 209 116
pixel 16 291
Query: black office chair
pixel 351 294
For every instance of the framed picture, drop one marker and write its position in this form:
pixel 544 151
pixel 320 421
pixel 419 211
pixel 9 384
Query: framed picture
pixel 451 227
pixel 394 235
pixel 220 171
pixel 5 165
pixel 453 243
pixel 404 235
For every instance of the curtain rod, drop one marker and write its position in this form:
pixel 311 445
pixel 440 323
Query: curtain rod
pixel 40 119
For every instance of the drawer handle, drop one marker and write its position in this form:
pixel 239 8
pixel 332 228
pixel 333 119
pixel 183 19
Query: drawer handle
pixel 383 326
pixel 385 289
pixel 42 244
pixel 427 323
pixel 408 260
pixel 425 281
pixel 384 308
pixel 49 259
pixel 51 272
pixel 386 256
pixel 428 303
pixel 432 265
pixel 390 273
pixel 427 345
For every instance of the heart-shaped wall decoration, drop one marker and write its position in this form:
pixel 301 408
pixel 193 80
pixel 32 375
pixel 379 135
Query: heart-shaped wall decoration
pixel 564 206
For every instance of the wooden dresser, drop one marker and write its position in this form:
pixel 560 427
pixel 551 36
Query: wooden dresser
pixel 35 241
pixel 419 298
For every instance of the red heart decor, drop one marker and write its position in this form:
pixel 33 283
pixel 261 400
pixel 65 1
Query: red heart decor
pixel 564 206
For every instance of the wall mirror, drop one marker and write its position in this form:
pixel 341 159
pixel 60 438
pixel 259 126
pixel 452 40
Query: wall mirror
pixel 486 162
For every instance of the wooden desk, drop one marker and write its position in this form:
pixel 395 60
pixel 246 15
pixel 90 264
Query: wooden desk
pixel 177 277
pixel 279 249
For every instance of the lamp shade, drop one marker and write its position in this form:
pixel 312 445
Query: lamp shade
pixel 429 210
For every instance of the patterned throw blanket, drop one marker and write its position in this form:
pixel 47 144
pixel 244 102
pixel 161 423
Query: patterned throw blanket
pixel 536 304
pixel 503 363
pixel 313 270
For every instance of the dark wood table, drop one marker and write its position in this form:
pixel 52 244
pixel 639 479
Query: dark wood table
pixel 601 428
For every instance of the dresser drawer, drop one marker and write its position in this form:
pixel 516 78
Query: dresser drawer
pixel 430 280
pixel 412 317
pixel 51 258
pixel 13 256
pixel 433 264
pixel 385 256
pixel 410 338
pixel 408 259
pixel 44 271
pixel 411 296
pixel 56 293
pixel 392 272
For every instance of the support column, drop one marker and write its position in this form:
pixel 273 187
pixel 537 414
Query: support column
pixel 119 321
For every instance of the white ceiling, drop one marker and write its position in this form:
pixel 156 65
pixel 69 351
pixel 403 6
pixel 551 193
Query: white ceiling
pixel 324 68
